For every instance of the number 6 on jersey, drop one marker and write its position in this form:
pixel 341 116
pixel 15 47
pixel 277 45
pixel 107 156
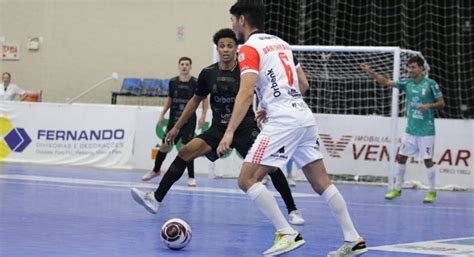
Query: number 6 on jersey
pixel 286 64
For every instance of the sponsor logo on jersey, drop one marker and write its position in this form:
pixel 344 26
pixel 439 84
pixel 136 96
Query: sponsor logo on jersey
pixel 224 100
pixel 226 79
pixel 274 85
pixel 225 118
pixel 183 86
pixel 266 37
pixel 255 133
pixel 294 93
pixel 179 100
pixel 241 57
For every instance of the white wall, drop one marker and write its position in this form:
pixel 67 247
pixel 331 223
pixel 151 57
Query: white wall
pixel 86 40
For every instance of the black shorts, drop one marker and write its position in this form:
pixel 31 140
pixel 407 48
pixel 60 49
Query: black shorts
pixel 186 133
pixel 244 137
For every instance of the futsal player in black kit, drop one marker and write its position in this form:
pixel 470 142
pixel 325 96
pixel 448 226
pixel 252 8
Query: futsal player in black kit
pixel 181 89
pixel 221 80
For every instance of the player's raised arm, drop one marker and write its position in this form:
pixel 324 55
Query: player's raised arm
pixel 379 78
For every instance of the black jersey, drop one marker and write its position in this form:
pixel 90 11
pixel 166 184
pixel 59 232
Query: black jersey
pixel 223 85
pixel 181 92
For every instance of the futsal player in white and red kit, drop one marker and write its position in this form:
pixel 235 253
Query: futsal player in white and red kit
pixel 290 132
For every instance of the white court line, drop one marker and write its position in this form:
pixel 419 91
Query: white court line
pixel 46 184
pixel 435 247
pixel 126 184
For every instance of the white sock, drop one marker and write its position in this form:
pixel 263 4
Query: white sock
pixel 432 178
pixel 401 169
pixel 339 210
pixel 266 202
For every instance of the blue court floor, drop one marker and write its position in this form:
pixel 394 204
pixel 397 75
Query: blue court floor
pixel 76 211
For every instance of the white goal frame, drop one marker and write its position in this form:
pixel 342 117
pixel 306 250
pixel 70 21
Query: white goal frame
pixel 396 51
pixel 394 103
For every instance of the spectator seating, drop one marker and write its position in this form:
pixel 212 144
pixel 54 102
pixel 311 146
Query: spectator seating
pixel 151 87
pixel 142 88
pixel 165 85
pixel 131 86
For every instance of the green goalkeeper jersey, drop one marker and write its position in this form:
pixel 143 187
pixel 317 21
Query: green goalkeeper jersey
pixel 424 92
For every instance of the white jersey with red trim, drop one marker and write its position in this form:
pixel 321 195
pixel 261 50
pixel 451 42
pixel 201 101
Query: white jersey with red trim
pixel 277 87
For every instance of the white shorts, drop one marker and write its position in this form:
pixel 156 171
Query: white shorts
pixel 421 145
pixel 275 147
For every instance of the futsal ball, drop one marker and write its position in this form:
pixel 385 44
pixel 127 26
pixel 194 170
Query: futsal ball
pixel 176 234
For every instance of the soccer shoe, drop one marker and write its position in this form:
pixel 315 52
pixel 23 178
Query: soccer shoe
pixel 146 199
pixel 393 194
pixel 192 182
pixel 430 197
pixel 284 243
pixel 291 182
pixel 349 249
pixel 149 175
pixel 296 218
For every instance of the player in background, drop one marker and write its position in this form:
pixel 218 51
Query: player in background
pixel 267 66
pixel 181 89
pixel 221 82
pixel 423 98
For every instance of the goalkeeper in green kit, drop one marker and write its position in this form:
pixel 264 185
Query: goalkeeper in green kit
pixel 423 97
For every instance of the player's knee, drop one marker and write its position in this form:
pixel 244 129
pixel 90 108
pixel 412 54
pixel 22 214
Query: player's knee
pixel 402 159
pixel 164 147
pixel 245 181
pixel 185 153
pixel 429 163
pixel 243 185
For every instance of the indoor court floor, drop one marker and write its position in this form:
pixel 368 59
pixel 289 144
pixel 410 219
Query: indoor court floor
pixel 77 211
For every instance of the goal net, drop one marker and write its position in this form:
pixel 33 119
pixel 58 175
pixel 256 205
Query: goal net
pixel 442 31
pixel 339 86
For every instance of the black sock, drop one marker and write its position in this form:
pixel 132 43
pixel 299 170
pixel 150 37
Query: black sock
pixel 191 169
pixel 174 172
pixel 281 185
pixel 160 157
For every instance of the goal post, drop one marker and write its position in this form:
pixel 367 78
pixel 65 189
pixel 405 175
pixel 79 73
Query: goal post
pixel 339 86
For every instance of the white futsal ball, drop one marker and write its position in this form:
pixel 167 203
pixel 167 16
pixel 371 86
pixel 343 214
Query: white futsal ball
pixel 176 234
